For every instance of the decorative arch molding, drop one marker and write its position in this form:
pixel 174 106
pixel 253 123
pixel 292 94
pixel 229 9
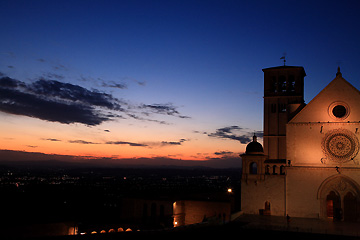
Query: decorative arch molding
pixel 340 145
pixel 338 183
pixel 341 185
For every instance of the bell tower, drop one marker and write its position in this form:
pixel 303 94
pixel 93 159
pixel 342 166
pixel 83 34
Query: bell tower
pixel 283 98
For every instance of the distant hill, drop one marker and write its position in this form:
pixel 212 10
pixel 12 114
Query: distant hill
pixel 37 159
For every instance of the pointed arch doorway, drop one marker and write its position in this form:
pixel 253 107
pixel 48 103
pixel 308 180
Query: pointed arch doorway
pixel 339 198
pixel 333 206
pixel 350 207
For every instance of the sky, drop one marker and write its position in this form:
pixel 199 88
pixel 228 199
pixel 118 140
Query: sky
pixel 159 79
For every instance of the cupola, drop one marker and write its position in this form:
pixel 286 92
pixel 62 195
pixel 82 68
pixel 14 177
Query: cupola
pixel 254 147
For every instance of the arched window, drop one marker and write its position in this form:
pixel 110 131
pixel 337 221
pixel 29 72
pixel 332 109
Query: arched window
pixel 267 206
pixel 267 210
pixel 253 168
pixel 282 170
pixel 291 81
pixel 274 85
pixel 273 108
pixel 282 83
pixel 274 170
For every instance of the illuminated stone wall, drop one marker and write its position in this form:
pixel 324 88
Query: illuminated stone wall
pixel 323 147
pixel 190 212
pixel 255 193
pixel 322 165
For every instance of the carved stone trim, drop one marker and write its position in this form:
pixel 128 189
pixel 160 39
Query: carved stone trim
pixel 340 145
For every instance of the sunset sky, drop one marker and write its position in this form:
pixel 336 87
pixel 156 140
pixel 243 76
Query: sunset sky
pixel 170 79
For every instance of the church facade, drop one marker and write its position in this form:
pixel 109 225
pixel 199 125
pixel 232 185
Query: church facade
pixel 309 164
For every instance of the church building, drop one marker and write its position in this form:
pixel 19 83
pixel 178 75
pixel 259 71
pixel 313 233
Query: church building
pixel 308 165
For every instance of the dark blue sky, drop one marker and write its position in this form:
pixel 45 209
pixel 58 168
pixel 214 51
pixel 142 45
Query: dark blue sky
pixel 202 58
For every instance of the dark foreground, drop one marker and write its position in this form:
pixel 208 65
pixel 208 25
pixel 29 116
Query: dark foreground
pixel 207 231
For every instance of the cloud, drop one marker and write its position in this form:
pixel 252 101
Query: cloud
pixel 259 134
pixel 170 143
pixel 31 146
pixel 228 133
pixel 134 116
pixel 127 143
pixel 59 66
pixel 51 139
pixel 143 83
pixel 166 143
pixel 223 153
pixel 53 76
pixel 82 142
pixel 132 144
pixel 15 102
pixel 140 83
pixel 74 93
pixel 112 84
pixel 55 101
pixel 164 109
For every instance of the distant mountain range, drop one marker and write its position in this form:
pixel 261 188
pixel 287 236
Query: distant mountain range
pixel 37 159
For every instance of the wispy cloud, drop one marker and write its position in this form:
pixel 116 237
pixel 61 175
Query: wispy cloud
pixel 223 153
pixel 135 116
pixel 174 143
pixel 67 103
pixel 51 139
pixel 113 84
pixel 236 133
pixel 131 144
pixel 165 109
pixel 31 146
pixel 54 76
pixel 127 143
pixel 82 142
pixel 55 101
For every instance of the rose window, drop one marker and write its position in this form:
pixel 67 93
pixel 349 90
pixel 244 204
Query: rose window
pixel 340 145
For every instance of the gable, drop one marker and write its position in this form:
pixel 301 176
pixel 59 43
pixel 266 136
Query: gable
pixel 337 102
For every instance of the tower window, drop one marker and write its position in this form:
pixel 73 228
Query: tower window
pixel 282 107
pixel 253 168
pixel 274 85
pixel 282 83
pixel 291 83
pixel 273 108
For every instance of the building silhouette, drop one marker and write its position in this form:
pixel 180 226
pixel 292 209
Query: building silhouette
pixel 309 165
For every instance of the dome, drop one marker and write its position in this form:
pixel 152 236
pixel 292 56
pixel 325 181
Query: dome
pixel 254 147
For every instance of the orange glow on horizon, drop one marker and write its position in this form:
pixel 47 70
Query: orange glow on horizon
pixel 117 142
